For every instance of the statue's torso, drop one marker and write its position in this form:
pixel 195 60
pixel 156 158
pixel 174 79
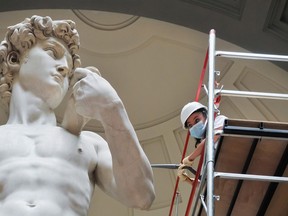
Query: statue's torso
pixel 43 172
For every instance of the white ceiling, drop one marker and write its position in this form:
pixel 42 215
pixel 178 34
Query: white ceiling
pixel 155 66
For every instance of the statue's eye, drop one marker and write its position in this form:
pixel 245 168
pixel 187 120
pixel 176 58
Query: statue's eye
pixel 51 51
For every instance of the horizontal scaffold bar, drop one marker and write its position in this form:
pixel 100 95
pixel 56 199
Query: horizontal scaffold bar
pixel 255 56
pixel 229 130
pixel 250 177
pixel 173 166
pixel 255 132
pixel 251 94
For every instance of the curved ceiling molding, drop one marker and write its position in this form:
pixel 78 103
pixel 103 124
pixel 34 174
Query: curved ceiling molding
pixel 277 19
pixel 231 8
pixel 89 18
pixel 142 44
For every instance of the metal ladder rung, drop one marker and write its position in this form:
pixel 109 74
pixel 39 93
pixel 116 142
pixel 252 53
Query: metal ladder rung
pixel 254 56
pixel 251 94
pixel 250 177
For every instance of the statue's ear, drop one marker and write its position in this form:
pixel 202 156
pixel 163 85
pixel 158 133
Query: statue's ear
pixel 13 61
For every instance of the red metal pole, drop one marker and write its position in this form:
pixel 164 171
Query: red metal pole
pixel 194 185
pixel 202 76
pixel 177 181
pixel 188 134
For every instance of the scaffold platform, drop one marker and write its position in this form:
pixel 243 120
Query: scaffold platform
pixel 251 175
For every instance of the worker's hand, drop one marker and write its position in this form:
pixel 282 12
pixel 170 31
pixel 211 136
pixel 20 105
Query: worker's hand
pixel 187 162
pixel 181 173
pixel 92 93
pixel 183 176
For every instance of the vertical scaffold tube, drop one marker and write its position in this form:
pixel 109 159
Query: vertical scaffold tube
pixel 210 139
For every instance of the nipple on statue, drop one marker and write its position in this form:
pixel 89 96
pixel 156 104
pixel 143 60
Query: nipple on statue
pixel 72 121
pixel 31 204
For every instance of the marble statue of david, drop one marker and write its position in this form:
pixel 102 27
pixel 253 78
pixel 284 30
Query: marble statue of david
pixel 51 170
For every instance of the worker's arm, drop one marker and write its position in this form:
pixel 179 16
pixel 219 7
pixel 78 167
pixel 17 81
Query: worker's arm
pixel 191 157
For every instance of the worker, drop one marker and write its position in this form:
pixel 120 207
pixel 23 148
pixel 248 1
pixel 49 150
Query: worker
pixel 194 118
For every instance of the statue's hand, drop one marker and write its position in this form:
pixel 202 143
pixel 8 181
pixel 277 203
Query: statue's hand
pixel 92 93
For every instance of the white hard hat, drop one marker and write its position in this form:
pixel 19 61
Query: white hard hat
pixel 188 109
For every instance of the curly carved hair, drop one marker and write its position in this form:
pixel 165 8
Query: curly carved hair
pixel 23 36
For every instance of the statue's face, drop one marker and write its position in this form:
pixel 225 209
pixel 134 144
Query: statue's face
pixel 44 70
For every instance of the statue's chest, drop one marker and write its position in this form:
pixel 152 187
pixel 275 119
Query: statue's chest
pixel 38 142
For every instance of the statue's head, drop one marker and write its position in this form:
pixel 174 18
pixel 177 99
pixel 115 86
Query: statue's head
pixel 23 36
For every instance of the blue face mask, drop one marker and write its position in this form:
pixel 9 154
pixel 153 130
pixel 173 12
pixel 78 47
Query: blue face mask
pixel 198 130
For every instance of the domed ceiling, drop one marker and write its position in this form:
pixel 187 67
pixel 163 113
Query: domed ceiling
pixel 152 52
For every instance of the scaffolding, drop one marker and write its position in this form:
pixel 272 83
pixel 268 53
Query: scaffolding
pixel 250 136
pixel 208 198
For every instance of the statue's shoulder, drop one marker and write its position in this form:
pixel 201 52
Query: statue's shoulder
pixel 93 138
pixel 9 127
pixel 3 130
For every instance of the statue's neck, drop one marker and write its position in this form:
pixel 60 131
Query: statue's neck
pixel 26 108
